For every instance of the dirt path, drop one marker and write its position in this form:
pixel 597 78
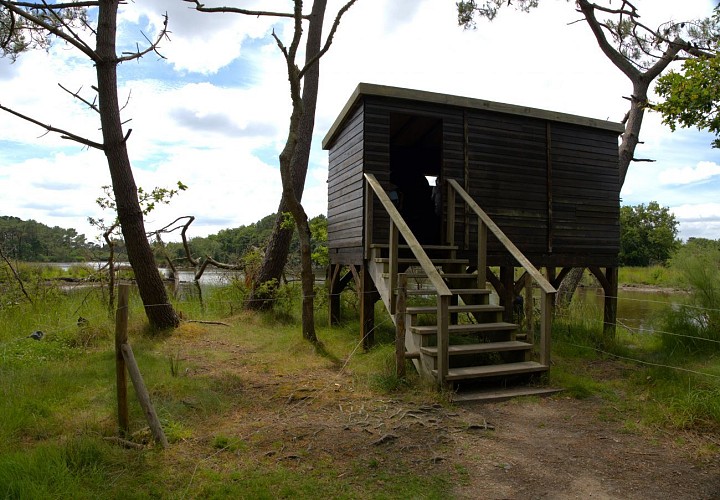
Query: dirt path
pixel 563 448
pixel 556 448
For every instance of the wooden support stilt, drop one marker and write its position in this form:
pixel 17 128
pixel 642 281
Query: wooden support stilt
pixel 506 299
pixel 609 282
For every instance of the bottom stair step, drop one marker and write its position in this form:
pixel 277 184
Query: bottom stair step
pixel 485 347
pixel 470 372
pixel 494 395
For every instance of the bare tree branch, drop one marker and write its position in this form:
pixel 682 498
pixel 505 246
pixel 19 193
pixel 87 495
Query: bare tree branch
pixel 16 275
pixel 77 96
pixel 64 133
pixel 200 7
pixel 153 47
pixel 329 39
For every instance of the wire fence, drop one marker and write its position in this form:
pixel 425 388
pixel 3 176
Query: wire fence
pixel 322 297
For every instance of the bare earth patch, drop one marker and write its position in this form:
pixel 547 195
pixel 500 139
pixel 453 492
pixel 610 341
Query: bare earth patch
pixel 559 448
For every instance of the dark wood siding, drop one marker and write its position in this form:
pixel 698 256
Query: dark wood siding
pixel 345 192
pixel 586 202
pixel 551 186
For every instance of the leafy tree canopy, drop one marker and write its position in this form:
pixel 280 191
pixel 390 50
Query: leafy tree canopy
pixel 691 97
pixel 18 34
pixel 32 241
pixel 648 234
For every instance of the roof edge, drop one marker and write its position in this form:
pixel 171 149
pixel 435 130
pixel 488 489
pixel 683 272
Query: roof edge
pixel 463 102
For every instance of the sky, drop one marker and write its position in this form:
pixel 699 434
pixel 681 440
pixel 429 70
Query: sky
pixel 213 112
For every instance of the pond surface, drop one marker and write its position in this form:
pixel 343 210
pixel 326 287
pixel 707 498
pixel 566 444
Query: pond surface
pixel 638 308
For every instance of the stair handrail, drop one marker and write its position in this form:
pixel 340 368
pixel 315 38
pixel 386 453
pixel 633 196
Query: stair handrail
pixel 398 225
pixel 546 289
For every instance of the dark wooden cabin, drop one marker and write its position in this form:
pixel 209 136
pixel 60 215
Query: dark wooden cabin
pixel 548 180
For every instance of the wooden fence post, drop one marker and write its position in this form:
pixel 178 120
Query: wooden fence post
pixel 125 363
pixel 121 324
pixel 143 396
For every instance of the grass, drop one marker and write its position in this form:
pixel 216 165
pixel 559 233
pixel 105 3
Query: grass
pixel 229 398
pixel 661 276
pixel 57 403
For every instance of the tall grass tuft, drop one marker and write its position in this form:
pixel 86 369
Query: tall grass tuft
pixel 695 328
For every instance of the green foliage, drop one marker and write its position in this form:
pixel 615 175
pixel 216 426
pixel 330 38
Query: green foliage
pixel 648 234
pixel 31 241
pixel 691 97
pixel 18 35
pixel 696 327
pixel 319 235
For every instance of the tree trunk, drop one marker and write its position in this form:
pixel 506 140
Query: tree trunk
pixel 152 290
pixel 276 253
pixel 567 287
pixel 641 81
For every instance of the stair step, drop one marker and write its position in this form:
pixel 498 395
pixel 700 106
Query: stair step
pixel 465 329
pixel 511 345
pixel 437 262
pixel 455 291
pixel 493 370
pixel 455 309
pixel 425 247
pixel 444 275
pixel 494 395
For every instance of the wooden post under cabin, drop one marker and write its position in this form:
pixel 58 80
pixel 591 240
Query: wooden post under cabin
pixel 508 291
pixel 121 336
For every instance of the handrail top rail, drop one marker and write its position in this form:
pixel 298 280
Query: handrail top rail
pixel 542 282
pixel 417 250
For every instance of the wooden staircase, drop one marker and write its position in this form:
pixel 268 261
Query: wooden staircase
pixel 453 334
pixel 484 352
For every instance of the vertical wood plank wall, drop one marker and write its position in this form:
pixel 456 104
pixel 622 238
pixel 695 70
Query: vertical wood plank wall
pixel 345 192
pixel 552 187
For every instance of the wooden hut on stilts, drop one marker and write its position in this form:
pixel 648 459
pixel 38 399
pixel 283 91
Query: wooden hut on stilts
pixel 450 194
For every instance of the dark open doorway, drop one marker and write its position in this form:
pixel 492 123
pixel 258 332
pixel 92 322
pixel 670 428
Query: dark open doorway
pixel 415 173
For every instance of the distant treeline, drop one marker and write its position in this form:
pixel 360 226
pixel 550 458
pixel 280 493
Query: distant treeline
pixel 31 241
pixel 233 245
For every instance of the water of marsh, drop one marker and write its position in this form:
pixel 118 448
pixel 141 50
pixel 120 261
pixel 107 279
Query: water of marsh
pixel 638 308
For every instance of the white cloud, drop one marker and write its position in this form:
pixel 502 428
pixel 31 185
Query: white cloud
pixel 215 113
pixel 704 170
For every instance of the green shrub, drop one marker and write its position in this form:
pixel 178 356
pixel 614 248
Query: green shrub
pixel 695 327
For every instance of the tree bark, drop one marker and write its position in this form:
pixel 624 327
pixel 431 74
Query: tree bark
pixel 152 290
pixel 276 252
pixel 641 81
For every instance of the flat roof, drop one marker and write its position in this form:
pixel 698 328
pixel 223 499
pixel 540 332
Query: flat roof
pixel 370 89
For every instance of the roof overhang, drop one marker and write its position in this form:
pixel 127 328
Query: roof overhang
pixel 369 89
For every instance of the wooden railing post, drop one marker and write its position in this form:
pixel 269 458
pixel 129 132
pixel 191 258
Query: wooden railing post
pixel 393 264
pixel 368 220
pixel 481 254
pixel 443 340
pixel 121 336
pixel 547 291
pixel 545 326
pixel 450 226
pixel 400 326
